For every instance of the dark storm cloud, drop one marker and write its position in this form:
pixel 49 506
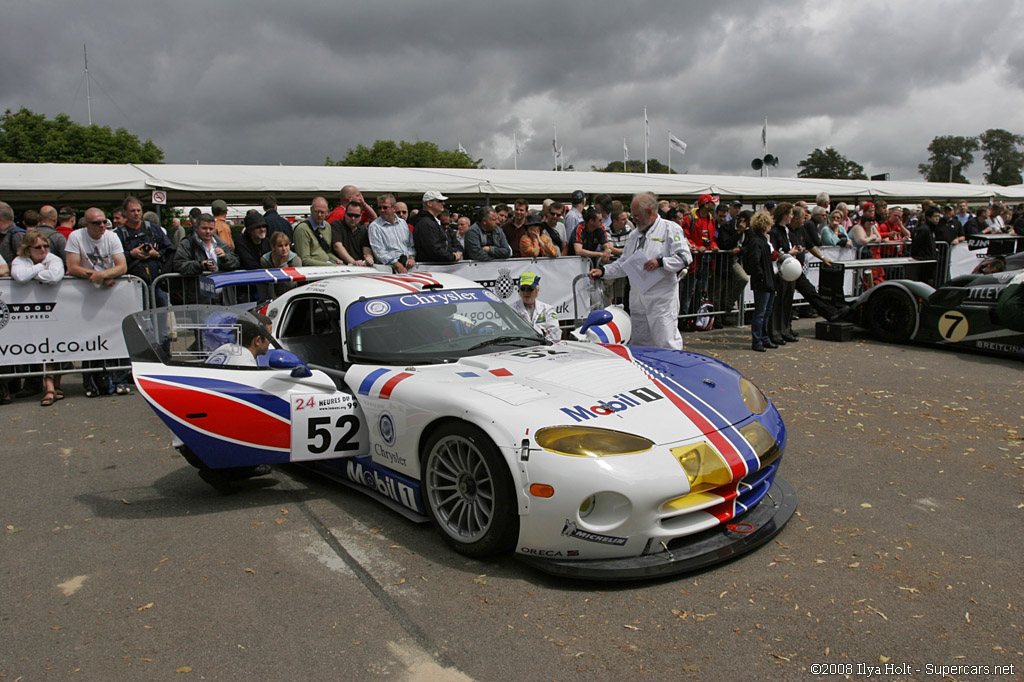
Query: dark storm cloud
pixel 269 82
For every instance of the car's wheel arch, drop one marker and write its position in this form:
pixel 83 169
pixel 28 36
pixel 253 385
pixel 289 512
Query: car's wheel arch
pixel 491 430
pixel 437 428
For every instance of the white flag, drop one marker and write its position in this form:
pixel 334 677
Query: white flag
pixel 463 149
pixel 764 133
pixel 676 143
pixel 558 153
pixel 625 149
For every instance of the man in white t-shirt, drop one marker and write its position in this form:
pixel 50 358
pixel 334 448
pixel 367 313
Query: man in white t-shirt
pixel 94 253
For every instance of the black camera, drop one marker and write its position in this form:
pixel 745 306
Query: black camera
pixel 146 248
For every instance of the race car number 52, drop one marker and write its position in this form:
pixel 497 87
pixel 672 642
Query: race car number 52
pixel 327 425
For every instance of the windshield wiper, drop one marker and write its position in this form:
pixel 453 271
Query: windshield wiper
pixel 504 340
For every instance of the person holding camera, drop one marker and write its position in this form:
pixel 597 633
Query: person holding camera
pixel 202 253
pixel 146 246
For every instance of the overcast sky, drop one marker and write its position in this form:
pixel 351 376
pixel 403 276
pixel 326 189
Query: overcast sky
pixel 267 82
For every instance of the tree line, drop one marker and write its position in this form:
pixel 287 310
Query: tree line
pixel 949 157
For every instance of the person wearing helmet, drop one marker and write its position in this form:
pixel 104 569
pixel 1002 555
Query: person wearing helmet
pixel 542 316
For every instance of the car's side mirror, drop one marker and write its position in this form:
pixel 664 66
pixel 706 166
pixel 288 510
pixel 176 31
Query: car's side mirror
pixel 595 319
pixel 285 359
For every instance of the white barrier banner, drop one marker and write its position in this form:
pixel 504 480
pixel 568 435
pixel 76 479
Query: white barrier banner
pixel 71 320
pixel 502 277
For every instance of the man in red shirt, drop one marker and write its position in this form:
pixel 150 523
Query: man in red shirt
pixel 702 234
pixel 350 193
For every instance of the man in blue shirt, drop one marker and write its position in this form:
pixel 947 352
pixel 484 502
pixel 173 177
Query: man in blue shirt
pixel 390 237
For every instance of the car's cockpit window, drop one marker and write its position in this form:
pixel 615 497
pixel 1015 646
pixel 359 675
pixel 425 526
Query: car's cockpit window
pixel 433 326
pixel 310 328
pixel 184 335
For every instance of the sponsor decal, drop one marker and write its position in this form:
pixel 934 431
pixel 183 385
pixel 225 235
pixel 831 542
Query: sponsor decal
pixel 989 293
pixel 548 553
pixel 386 426
pixel 391 456
pixel 617 403
pixel 5 314
pixel 378 308
pixel 491 295
pixel 1001 347
pixel 570 529
pixel 386 484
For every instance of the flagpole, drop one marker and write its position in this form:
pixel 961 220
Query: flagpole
pixel 647 140
pixel 670 151
pixel 624 155
pixel 764 144
pixel 515 151
pixel 554 146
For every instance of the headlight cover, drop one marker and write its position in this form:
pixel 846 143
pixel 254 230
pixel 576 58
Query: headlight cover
pixel 704 467
pixel 753 398
pixel 585 441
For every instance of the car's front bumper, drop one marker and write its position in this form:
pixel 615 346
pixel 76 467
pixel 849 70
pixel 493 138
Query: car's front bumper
pixel 715 545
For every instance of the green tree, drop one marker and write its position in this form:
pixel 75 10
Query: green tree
pixel 635 166
pixel 829 163
pixel 386 153
pixel 942 149
pixel 1002 157
pixel 28 137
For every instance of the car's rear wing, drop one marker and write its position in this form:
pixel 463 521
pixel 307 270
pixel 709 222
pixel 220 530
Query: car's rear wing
pixel 210 284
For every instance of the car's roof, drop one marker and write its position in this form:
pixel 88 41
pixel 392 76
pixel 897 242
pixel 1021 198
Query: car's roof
pixel 352 287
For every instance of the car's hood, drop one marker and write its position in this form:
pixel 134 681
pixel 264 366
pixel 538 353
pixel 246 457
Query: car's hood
pixel 666 396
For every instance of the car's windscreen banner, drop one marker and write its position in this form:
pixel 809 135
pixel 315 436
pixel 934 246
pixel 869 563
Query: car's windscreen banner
pixel 361 311
pixel 71 320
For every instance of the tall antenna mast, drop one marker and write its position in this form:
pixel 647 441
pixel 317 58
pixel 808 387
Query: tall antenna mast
pixel 88 96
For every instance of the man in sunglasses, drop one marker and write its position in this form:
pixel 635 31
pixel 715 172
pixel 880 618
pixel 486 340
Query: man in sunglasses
pixel 95 253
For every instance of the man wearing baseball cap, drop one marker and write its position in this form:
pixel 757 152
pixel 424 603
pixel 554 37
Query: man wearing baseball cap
pixel 574 217
pixel 430 237
pixel 542 316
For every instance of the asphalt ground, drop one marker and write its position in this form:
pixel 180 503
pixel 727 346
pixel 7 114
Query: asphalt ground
pixel 118 563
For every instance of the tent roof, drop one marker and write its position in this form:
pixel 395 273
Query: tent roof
pixel 189 185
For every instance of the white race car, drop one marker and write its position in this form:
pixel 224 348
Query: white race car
pixel 429 393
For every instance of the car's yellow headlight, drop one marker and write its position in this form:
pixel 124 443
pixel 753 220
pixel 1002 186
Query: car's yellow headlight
pixel 585 441
pixel 704 467
pixel 764 444
pixel 752 396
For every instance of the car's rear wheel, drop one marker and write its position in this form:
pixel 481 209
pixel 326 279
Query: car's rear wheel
pixel 469 491
pixel 892 315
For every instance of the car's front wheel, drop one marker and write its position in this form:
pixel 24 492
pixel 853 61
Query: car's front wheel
pixel 469 491
pixel 892 315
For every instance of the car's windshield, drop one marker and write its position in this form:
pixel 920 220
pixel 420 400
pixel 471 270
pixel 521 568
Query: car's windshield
pixel 434 326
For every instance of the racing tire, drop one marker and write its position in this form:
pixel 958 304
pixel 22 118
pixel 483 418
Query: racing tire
pixel 469 491
pixel 892 315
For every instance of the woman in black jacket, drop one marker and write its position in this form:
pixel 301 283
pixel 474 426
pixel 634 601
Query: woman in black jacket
pixel 757 262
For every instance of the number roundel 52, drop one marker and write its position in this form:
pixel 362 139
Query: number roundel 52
pixel 323 424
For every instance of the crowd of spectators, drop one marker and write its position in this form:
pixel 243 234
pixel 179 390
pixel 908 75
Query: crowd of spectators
pixel 47 243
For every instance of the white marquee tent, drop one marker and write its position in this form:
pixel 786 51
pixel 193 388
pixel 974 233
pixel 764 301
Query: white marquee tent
pixel 189 185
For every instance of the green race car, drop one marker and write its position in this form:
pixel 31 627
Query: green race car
pixel 982 312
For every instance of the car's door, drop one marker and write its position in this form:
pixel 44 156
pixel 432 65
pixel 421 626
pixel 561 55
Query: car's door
pixel 237 415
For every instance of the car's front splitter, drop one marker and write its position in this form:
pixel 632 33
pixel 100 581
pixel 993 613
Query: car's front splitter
pixel 715 545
